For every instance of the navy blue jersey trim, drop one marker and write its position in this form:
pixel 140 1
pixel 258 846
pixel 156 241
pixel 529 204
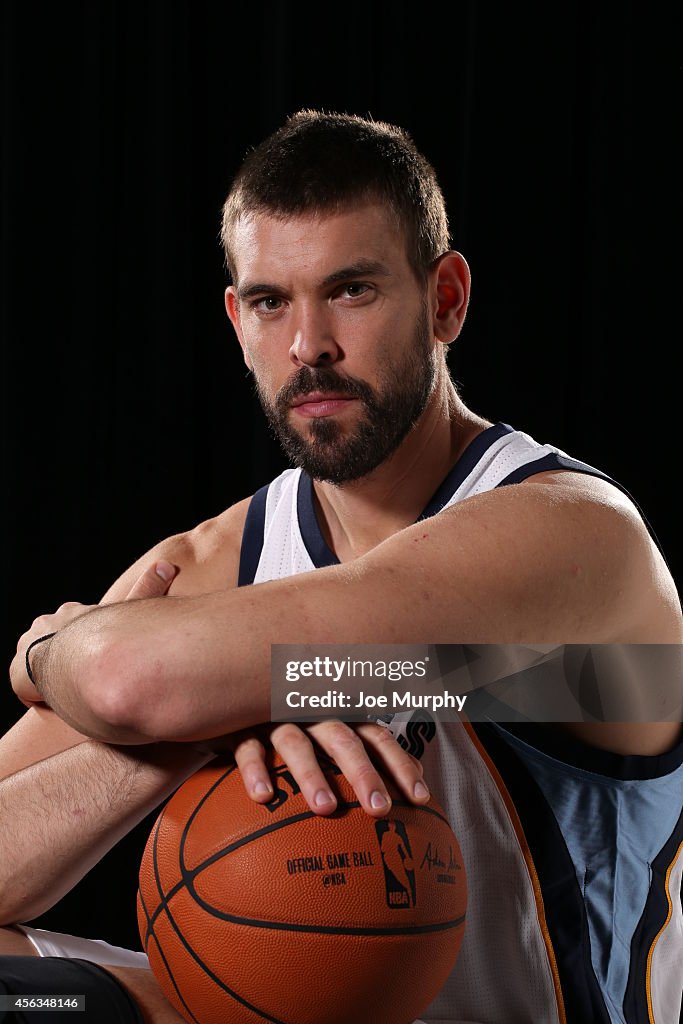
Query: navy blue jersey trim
pixel 565 911
pixel 654 916
pixel 556 461
pixel 316 545
pixel 252 537
pixel 464 466
pixel 565 748
pixel 321 554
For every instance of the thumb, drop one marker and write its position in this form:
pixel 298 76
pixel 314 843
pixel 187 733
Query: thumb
pixel 154 582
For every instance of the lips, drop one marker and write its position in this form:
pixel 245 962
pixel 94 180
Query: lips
pixel 321 396
pixel 321 403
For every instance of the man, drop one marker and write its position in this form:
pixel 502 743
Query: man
pixel 409 519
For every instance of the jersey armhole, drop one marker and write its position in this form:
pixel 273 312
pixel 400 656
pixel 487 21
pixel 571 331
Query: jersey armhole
pixel 252 538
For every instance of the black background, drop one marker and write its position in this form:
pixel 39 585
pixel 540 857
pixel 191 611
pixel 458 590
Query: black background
pixel 127 412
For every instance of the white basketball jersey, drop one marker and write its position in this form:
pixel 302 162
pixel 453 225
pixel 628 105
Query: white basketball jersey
pixel 535 949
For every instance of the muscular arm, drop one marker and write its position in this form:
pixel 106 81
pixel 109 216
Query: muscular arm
pixel 61 815
pixel 543 562
pixel 66 799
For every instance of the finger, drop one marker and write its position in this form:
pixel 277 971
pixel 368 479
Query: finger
pixel 404 769
pixel 154 581
pixel 66 613
pixel 298 753
pixel 250 756
pixel 346 747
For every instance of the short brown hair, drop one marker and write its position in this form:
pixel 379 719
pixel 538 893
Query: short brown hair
pixel 318 161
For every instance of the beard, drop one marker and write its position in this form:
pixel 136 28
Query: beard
pixel 326 451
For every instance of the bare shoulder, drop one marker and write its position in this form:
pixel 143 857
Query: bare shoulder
pixel 207 556
pixel 610 522
pixel 211 551
pixel 588 492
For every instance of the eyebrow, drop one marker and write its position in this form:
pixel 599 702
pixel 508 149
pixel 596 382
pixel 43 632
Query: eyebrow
pixel 361 268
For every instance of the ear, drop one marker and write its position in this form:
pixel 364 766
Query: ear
pixel 233 310
pixel 450 279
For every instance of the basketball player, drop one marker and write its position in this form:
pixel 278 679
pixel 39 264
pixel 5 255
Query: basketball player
pixel 409 518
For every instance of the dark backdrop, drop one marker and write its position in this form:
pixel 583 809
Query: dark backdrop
pixel 128 415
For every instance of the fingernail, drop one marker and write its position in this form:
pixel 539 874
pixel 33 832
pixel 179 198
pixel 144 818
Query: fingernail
pixel 165 570
pixel 261 788
pixel 378 800
pixel 420 791
pixel 323 797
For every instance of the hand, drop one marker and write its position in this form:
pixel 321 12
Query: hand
pixel 154 582
pixel 352 747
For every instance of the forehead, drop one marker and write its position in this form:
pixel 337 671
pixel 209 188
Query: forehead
pixel 270 248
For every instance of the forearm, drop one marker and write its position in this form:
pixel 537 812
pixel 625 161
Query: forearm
pixel 158 674
pixel 192 668
pixel 195 667
pixel 184 669
pixel 60 816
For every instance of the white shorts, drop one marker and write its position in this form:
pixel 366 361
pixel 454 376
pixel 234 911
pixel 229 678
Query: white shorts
pixel 98 951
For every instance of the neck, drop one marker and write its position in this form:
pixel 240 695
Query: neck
pixel 358 515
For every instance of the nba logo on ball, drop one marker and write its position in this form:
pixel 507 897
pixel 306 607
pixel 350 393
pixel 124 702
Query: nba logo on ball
pixel 253 913
pixel 397 860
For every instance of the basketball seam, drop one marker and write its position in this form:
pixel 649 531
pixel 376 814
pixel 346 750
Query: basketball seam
pixel 189 876
pixel 207 970
pixel 273 827
pixel 151 934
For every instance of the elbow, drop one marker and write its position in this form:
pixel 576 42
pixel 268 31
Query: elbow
pixel 118 691
pixel 12 914
pixel 130 692
pixel 126 686
pixel 19 902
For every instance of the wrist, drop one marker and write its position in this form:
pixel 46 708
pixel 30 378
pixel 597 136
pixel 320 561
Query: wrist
pixel 35 658
pixel 163 759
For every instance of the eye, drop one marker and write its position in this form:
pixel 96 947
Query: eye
pixel 354 289
pixel 266 304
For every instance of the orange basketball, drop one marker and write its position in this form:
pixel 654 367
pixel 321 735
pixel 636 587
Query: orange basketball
pixel 253 913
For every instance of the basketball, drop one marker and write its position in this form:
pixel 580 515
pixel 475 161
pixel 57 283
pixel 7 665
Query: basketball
pixel 267 912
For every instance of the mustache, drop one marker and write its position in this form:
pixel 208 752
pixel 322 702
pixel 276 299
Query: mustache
pixel 324 378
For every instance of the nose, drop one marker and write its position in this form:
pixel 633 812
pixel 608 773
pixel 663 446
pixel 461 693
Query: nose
pixel 314 343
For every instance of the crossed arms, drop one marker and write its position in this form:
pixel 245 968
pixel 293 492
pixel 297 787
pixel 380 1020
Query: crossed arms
pixel 552 561
pixel 563 560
